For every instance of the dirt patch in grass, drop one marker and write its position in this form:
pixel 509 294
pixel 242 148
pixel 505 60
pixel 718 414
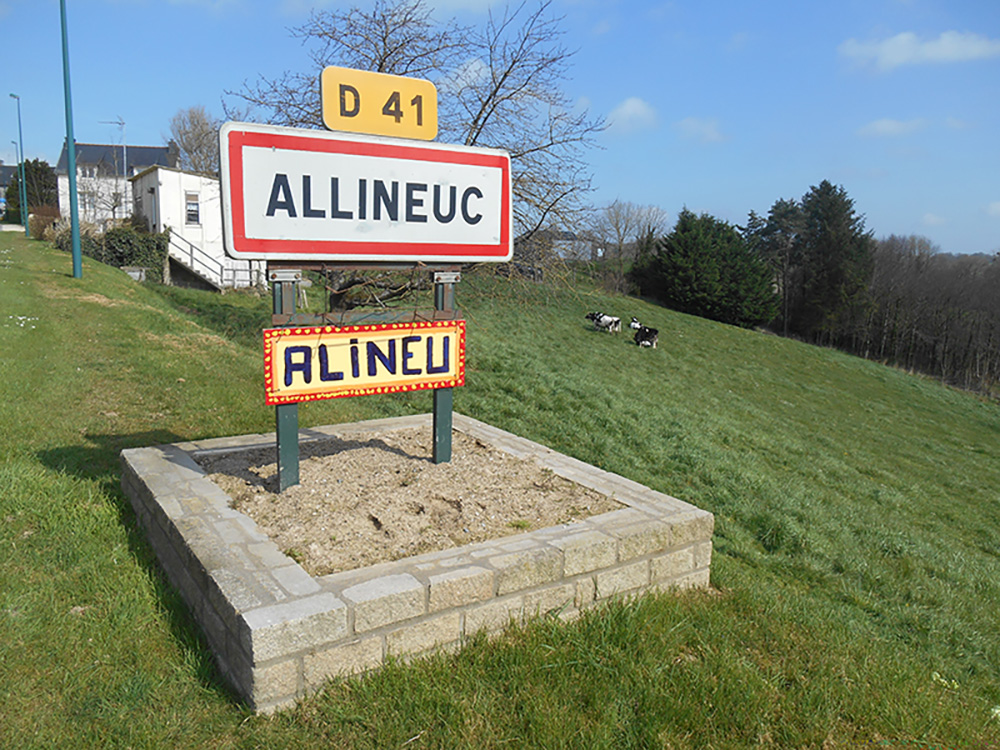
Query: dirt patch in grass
pixel 379 497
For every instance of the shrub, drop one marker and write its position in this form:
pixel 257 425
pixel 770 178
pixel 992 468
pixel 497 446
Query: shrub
pixel 42 218
pixel 124 246
pixel 89 238
pixel 118 247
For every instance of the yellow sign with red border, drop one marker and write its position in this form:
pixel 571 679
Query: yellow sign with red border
pixel 307 364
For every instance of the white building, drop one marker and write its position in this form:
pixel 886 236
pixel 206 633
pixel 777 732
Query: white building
pixel 190 206
pixel 103 190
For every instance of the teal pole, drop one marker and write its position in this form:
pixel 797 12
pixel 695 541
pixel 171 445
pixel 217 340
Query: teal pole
pixel 444 299
pixel 74 212
pixel 20 181
pixel 22 192
pixel 286 416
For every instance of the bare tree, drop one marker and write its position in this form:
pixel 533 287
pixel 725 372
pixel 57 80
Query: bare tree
pixel 500 86
pixel 618 227
pixel 196 134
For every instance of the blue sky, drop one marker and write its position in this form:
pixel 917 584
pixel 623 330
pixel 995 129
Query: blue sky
pixel 717 105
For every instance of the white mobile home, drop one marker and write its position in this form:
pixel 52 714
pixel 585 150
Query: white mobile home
pixel 189 205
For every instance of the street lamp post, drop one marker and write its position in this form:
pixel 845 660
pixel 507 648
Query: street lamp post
pixel 70 149
pixel 23 192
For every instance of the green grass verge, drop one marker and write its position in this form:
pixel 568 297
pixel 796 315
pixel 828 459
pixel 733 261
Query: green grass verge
pixel 858 532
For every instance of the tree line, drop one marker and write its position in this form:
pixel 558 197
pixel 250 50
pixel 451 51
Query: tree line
pixel 810 269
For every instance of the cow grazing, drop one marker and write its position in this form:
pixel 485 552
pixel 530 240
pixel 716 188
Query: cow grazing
pixel 646 336
pixel 635 325
pixel 604 322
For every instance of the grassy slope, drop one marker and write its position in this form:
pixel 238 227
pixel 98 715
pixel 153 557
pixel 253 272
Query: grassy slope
pixel 857 537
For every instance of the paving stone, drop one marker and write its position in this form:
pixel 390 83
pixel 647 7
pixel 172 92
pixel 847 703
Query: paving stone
pixel 295 580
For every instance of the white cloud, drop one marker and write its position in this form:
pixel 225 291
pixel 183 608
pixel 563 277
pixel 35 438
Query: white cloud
pixel 993 209
pixel 956 124
pixel 933 220
pixel 704 130
pixel 602 27
pixel 631 115
pixel 908 49
pixel 468 73
pixel 889 128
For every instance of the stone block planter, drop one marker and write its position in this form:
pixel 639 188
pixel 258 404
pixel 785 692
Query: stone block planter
pixel 278 633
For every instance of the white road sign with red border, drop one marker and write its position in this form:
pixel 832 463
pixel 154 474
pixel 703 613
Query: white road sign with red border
pixel 312 195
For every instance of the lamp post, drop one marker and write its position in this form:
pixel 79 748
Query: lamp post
pixel 70 150
pixel 17 159
pixel 23 192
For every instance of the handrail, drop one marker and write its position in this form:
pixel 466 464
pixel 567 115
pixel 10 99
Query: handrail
pixel 213 269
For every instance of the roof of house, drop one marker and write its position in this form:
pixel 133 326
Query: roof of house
pixel 139 157
pixel 7 174
pixel 141 173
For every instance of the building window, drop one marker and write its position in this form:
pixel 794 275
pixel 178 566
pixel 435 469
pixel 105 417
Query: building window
pixel 191 208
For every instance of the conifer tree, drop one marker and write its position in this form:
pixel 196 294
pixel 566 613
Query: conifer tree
pixel 837 259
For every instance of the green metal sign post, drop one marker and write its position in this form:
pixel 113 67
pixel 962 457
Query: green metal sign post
pixel 284 280
pixel 444 300
pixel 286 415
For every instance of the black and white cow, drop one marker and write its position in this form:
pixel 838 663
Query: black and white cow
pixel 646 336
pixel 635 325
pixel 604 322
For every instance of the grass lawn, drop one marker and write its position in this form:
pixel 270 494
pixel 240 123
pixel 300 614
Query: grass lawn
pixel 856 573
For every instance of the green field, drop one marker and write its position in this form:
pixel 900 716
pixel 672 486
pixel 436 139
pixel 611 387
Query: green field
pixel 856 573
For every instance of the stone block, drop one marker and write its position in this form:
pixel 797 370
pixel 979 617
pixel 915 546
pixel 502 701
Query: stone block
pixel 284 629
pixel 703 554
pixel 586 592
pixel 644 538
pixel 699 579
pixel 295 580
pixel 548 599
pixel 494 616
pixel 622 579
pixel 672 564
pixel 385 600
pixel 458 587
pixel 586 551
pixel 426 635
pixel 276 683
pixel 340 660
pixel 517 571
pixel 692 526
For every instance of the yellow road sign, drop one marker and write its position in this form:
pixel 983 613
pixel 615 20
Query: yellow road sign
pixel 378 104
